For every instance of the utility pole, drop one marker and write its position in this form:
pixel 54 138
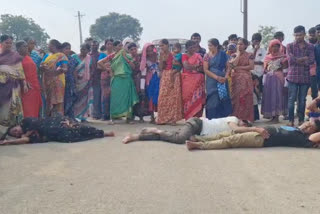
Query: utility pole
pixel 244 10
pixel 80 28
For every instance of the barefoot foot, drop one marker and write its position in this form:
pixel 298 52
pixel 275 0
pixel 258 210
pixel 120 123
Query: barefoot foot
pixel 192 145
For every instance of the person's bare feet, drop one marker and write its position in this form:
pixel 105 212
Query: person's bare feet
pixel 193 139
pixel 130 138
pixel 109 134
pixel 192 145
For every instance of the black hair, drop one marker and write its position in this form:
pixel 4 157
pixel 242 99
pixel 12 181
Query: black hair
pixel 108 40
pixel 86 46
pixel 65 44
pixel 116 43
pixel 164 41
pixel 5 37
pixel 317 122
pixel 20 43
pixel 278 34
pixel 88 39
pixel 299 29
pixel 95 41
pixel 254 77
pixel 215 42
pixel 28 39
pixel 189 43
pixel 248 124
pixel 317 27
pixel 233 36
pixel 3 137
pixel 312 30
pixel 225 43
pixel 257 36
pixel 132 45
pixel 245 41
pixel 177 45
pixel 55 43
pixel 195 35
pixel 103 48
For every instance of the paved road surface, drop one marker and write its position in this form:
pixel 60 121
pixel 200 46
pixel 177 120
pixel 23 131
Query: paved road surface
pixel 105 176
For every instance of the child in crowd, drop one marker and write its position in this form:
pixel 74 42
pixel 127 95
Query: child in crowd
pixel 256 96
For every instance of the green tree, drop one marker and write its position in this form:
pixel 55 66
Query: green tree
pixel 116 26
pixel 21 27
pixel 267 33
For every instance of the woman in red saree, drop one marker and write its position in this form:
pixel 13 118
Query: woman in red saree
pixel 242 85
pixel 193 87
pixel 31 98
pixel 170 100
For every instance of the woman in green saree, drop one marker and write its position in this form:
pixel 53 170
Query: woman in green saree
pixel 123 91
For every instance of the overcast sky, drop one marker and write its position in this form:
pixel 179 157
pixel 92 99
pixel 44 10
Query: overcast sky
pixel 168 18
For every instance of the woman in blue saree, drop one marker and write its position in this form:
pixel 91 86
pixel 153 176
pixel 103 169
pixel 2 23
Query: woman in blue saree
pixel 218 103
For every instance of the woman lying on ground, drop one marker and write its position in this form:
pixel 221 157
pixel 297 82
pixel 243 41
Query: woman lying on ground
pixel 59 129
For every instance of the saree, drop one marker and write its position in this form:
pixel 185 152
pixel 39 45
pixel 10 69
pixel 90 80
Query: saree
pixel 242 91
pixel 11 77
pixel 70 89
pixel 170 99
pixel 31 100
pixel 273 102
pixel 105 89
pixel 83 89
pixel 123 91
pixel 54 85
pixel 193 88
pixel 217 105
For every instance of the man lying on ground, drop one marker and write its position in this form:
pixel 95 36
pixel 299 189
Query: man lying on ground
pixel 59 129
pixel 305 136
pixel 194 126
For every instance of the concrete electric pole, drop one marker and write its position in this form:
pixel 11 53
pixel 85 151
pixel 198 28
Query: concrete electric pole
pixel 80 28
pixel 244 10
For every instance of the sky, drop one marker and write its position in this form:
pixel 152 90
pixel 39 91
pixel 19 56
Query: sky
pixel 168 18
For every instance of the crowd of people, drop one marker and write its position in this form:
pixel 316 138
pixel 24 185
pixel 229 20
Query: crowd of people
pixel 119 81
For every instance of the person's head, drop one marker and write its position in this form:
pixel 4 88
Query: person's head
pixel 242 44
pixel 89 41
pixel 244 123
pixel 318 32
pixel 312 35
pixel 133 49
pixel 117 46
pixel 94 46
pixel 31 43
pixel 6 42
pixel 274 46
pixel 256 39
pixel 255 80
pixel 177 48
pixel 299 33
pixel 279 36
pixel 196 38
pixel 164 45
pixel 310 127
pixel 190 47
pixel 150 51
pixel 225 45
pixel 15 131
pixel 232 48
pixel 22 48
pixel 54 46
pixel 214 45
pixel 84 49
pixel 66 48
pixel 108 43
pixel 233 38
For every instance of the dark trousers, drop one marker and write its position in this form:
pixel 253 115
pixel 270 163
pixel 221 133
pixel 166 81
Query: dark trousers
pixel 314 87
pixel 192 127
pixel 300 91
pixel 96 87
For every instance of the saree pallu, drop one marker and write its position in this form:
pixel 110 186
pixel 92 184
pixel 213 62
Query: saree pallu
pixel 54 85
pixel 11 111
pixel 170 98
pixel 70 89
pixel 193 94
pixel 242 95
pixel 123 91
pixel 84 92
pixel 152 85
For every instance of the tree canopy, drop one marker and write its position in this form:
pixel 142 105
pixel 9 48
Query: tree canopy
pixel 267 33
pixel 20 27
pixel 116 26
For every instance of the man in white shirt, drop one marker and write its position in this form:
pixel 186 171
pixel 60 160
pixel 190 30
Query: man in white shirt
pixel 259 54
pixel 194 126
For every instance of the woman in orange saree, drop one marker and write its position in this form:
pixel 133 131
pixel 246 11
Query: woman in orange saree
pixel 193 87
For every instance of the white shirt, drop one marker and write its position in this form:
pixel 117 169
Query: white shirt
pixel 261 54
pixel 215 126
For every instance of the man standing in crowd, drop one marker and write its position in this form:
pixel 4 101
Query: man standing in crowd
pixel 301 56
pixel 197 39
pixel 312 38
pixel 317 55
pixel 233 39
pixel 259 54
pixel 96 78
